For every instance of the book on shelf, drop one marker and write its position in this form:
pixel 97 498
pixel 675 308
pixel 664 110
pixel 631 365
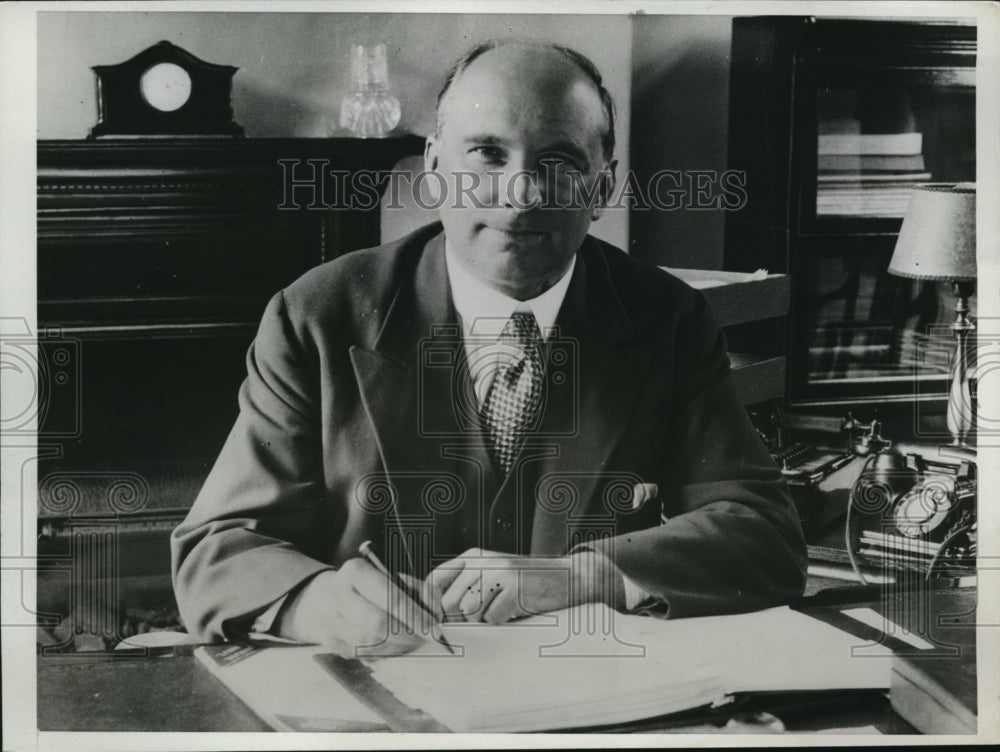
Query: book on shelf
pixel 847 200
pixel 875 162
pixel 871 143
pixel 887 212
pixel 857 193
pixel 583 667
pixel 864 207
pixel 862 200
pixel 864 178
pixel 860 350
pixel 871 192
pixel 864 327
pixel 890 212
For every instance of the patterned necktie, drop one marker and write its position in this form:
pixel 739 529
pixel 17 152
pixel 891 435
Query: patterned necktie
pixel 516 392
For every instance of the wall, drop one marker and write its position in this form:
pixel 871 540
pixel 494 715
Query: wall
pixel 680 111
pixel 293 66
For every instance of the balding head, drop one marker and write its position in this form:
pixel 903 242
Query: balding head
pixel 530 61
pixel 521 154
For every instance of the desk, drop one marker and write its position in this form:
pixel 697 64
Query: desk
pixel 108 692
pixel 174 692
pixel 104 692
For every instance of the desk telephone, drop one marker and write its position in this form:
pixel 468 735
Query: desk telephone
pixel 915 506
pixel 911 506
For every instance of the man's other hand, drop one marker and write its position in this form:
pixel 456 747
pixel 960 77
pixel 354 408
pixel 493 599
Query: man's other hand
pixel 354 607
pixel 489 586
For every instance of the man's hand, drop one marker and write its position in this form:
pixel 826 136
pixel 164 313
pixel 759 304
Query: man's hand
pixel 496 587
pixel 353 607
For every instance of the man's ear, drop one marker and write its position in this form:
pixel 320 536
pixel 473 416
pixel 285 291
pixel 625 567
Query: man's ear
pixel 607 180
pixel 431 154
pixel 431 147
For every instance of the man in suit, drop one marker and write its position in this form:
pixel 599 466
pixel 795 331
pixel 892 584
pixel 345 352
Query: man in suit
pixel 520 415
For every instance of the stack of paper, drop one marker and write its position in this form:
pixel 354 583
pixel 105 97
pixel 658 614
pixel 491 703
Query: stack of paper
pixel 702 279
pixel 543 674
pixel 587 666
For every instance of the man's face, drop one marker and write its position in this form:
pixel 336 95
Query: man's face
pixel 519 151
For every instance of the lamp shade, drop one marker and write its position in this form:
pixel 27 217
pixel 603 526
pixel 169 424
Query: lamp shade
pixel 938 237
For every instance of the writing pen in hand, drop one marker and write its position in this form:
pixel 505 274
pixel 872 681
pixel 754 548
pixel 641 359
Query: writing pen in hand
pixel 367 551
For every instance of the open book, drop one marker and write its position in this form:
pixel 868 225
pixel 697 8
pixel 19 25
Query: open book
pixel 584 667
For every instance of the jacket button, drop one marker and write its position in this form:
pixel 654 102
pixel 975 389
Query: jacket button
pixel 504 522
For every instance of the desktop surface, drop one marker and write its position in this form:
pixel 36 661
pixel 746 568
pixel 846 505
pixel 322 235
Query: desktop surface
pixel 170 690
pixel 109 691
pixel 174 692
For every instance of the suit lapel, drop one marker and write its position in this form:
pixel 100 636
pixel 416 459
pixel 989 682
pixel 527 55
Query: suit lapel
pixel 608 368
pixel 399 396
pixel 415 391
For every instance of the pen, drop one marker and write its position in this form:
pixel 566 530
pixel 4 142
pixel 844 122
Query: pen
pixel 367 550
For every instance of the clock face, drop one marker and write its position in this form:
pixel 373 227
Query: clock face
pixel 165 91
pixel 166 87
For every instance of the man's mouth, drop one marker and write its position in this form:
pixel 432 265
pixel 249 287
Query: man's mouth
pixel 524 233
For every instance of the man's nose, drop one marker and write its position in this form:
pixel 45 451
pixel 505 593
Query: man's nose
pixel 520 189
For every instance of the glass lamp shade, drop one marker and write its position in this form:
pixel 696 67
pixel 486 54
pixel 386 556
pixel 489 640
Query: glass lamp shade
pixel 938 238
pixel 369 110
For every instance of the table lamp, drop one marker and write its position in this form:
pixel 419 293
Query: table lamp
pixel 938 242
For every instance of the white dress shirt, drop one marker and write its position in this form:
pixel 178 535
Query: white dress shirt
pixel 484 313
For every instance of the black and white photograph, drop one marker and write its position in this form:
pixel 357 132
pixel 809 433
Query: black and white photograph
pixel 419 374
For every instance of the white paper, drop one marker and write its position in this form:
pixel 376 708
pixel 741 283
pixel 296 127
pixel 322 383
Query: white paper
pixel 539 674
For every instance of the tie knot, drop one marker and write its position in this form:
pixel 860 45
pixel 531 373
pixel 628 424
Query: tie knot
pixel 522 329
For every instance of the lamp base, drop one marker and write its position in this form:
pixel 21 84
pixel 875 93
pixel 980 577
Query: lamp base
pixel 961 401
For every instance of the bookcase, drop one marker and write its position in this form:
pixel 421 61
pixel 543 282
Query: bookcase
pixel 833 122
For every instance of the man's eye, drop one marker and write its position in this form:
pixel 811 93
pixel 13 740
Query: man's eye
pixel 561 162
pixel 490 154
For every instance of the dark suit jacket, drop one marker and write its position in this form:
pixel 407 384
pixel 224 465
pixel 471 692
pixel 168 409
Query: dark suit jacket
pixel 357 421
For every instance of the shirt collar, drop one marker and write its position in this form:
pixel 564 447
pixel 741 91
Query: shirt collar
pixel 484 311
